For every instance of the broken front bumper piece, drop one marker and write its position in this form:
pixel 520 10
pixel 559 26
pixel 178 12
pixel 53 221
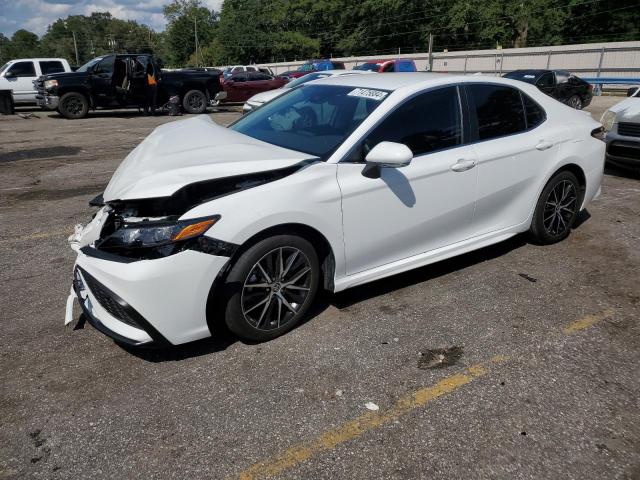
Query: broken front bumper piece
pixel 48 101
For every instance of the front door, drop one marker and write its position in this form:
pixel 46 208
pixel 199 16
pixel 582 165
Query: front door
pixel 20 77
pixel 418 208
pixel 102 81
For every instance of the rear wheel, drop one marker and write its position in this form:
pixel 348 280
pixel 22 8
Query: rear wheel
pixel 271 287
pixel 73 105
pixel 557 209
pixel 575 102
pixel 194 101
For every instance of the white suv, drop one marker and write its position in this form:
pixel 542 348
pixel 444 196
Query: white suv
pixel 18 75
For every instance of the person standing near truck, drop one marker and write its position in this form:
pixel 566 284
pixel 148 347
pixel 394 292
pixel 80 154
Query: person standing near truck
pixel 151 90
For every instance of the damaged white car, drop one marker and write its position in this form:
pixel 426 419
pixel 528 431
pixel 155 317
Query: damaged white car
pixel 334 184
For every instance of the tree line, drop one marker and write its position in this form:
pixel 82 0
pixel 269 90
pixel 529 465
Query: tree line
pixel 262 31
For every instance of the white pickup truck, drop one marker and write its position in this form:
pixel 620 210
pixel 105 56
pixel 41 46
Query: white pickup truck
pixel 18 75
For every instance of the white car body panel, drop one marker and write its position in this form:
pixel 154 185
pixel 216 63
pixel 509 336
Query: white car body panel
pixel 411 216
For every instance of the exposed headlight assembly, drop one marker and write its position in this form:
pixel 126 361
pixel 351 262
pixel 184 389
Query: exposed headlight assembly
pixel 607 120
pixel 49 84
pixel 150 239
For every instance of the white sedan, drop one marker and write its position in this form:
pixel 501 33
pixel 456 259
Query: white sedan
pixel 261 98
pixel 337 183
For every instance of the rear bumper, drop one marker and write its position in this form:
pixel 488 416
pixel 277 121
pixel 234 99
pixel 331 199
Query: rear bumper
pixel 148 302
pixel 47 101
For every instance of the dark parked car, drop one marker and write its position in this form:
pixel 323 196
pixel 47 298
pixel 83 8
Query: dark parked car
pixel 384 66
pixel 240 87
pixel 559 84
pixel 118 81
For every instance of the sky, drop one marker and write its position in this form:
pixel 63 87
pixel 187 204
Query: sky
pixel 36 15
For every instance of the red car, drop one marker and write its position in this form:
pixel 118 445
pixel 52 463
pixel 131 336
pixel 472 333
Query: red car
pixel 240 87
pixel 383 66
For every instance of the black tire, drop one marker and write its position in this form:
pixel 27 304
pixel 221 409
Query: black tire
pixel 575 102
pixel 546 226
pixel 194 101
pixel 73 105
pixel 241 313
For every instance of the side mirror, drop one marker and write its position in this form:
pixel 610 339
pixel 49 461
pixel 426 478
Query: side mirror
pixel 632 91
pixel 9 74
pixel 386 154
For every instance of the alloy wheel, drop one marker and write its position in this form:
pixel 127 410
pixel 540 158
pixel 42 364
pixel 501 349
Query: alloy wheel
pixel 276 288
pixel 560 208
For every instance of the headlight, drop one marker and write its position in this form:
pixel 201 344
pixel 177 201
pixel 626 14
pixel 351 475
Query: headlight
pixel 148 239
pixel 48 84
pixel 607 120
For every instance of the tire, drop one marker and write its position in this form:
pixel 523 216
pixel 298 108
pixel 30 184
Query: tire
pixel 73 105
pixel 552 220
pixel 258 313
pixel 194 101
pixel 575 102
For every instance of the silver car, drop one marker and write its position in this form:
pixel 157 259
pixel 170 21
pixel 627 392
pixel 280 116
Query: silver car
pixel 622 123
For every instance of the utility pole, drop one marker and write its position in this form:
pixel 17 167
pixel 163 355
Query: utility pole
pixel 431 52
pixel 75 46
pixel 195 28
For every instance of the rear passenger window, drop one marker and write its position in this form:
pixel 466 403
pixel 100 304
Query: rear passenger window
pixel 23 69
pixel 499 110
pixel 534 113
pixel 51 67
pixel 429 122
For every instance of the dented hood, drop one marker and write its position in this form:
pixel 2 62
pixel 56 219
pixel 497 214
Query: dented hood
pixel 187 151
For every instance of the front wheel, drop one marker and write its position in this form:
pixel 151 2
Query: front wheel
pixel 194 101
pixel 270 287
pixel 73 105
pixel 557 209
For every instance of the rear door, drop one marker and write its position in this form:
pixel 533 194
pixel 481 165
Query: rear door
pixel 20 80
pixel 514 146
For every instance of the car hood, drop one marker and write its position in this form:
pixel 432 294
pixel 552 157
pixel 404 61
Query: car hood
pixel 65 75
pixel 264 97
pixel 628 110
pixel 193 150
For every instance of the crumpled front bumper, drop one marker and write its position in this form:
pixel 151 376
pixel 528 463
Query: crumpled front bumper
pixel 147 302
pixel 47 101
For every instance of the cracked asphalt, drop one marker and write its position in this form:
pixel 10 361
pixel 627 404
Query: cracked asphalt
pixel 538 375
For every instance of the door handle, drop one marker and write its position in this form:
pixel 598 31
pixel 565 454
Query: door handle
pixel 463 165
pixel 544 145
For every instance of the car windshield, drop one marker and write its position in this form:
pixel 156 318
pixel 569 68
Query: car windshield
pixel 305 79
pixel 313 119
pixel 529 77
pixel 4 67
pixel 87 66
pixel 369 67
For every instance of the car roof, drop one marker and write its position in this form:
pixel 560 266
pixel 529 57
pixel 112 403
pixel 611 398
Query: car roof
pixel 412 80
pixel 38 59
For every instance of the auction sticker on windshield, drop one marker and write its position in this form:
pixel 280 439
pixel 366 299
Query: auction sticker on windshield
pixel 376 95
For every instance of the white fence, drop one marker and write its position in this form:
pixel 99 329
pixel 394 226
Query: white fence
pixel 614 59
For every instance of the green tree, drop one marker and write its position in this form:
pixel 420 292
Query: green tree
pixel 183 18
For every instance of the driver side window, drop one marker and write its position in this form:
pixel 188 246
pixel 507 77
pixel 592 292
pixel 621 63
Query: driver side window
pixel 427 123
pixel 105 66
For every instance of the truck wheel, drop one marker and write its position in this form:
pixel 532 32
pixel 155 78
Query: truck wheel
pixel 194 101
pixel 73 105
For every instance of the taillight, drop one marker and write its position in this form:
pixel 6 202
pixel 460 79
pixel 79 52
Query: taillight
pixel 599 133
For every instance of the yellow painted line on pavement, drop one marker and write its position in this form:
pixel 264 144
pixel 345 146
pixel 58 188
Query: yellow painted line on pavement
pixel 35 236
pixel 587 321
pixel 364 423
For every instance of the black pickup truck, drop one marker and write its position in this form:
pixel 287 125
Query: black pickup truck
pixel 120 81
